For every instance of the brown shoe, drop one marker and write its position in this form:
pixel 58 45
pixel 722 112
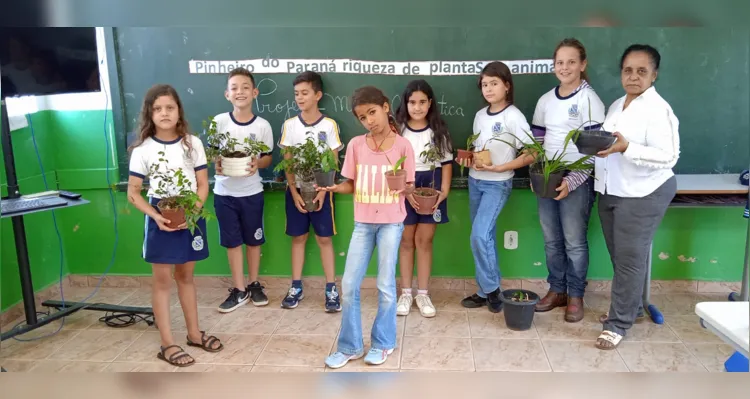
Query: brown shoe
pixel 574 311
pixel 552 300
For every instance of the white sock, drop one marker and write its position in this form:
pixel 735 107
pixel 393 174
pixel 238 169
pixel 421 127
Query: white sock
pixel 406 291
pixel 421 292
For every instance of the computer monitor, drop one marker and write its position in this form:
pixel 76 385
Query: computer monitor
pixel 44 61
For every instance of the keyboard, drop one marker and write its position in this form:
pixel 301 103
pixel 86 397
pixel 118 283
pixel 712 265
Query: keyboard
pixel 21 205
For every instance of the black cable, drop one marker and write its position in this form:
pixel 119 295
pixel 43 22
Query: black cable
pixel 119 320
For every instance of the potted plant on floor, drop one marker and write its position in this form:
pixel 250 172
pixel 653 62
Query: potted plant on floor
pixel 547 171
pixel 235 156
pixel 519 308
pixel 178 200
pixel 590 142
pixel 303 162
pixel 427 197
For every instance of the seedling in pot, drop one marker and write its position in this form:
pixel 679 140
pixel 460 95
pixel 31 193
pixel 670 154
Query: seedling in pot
pixel 427 197
pixel 520 296
pixel 234 156
pixel 590 142
pixel 304 162
pixel 179 203
pixel 547 171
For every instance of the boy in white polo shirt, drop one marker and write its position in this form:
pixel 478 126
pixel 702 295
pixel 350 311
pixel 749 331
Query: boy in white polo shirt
pixel 239 200
pixel 310 123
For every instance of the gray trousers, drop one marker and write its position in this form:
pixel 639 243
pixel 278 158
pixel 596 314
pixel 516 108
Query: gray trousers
pixel 629 225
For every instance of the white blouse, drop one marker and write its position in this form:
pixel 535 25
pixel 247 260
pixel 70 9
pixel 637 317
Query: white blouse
pixel 652 129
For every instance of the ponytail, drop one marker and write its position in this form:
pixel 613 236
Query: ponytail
pixel 394 125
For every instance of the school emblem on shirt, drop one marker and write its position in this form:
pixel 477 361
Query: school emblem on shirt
pixel 437 216
pixel 497 128
pixel 197 243
pixel 573 111
pixel 252 137
pixel 322 136
pixel 258 234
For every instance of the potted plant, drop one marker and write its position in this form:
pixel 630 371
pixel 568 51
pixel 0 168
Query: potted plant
pixel 178 200
pixel 547 172
pixel 590 142
pixel 303 162
pixel 396 177
pixel 519 308
pixel 325 174
pixel 427 197
pixel 235 156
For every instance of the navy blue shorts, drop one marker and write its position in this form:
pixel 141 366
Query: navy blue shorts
pixel 298 223
pixel 240 220
pixel 440 216
pixel 176 247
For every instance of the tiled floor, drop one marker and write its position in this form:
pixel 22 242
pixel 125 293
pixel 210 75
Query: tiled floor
pixel 271 339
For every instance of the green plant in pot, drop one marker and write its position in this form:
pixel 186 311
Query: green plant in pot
pixel 178 200
pixel 325 174
pixel 519 308
pixel 590 142
pixel 468 153
pixel 303 161
pixel 547 171
pixel 396 177
pixel 233 155
pixel 427 197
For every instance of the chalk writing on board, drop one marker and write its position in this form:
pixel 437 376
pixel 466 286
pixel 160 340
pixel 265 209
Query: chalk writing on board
pixel 330 103
pixel 361 67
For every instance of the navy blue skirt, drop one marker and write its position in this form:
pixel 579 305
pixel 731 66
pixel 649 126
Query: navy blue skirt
pixel 173 248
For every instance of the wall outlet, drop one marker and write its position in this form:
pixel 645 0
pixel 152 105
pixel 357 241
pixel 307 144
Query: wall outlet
pixel 511 239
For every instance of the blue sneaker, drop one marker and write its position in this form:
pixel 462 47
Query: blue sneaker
pixel 333 301
pixel 377 356
pixel 338 360
pixel 293 296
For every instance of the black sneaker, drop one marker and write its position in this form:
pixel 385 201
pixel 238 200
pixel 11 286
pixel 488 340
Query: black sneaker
pixel 494 303
pixel 474 301
pixel 257 294
pixel 333 301
pixel 235 299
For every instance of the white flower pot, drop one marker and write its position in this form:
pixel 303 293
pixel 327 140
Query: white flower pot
pixel 235 167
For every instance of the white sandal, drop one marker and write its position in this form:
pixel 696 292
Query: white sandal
pixel 608 336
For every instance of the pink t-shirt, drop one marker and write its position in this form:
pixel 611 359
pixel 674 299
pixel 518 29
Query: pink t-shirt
pixel 373 202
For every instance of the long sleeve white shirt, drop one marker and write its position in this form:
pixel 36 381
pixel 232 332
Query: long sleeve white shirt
pixel 652 129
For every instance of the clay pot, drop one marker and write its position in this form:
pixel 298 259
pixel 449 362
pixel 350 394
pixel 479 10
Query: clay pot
pixel 308 193
pixel 464 154
pixel 426 199
pixel 396 181
pixel 176 217
pixel 482 158
pixel 235 167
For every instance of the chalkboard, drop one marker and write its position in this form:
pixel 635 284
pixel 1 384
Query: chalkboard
pixel 704 75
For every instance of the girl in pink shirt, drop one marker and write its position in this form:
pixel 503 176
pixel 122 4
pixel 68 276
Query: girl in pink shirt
pixel 379 215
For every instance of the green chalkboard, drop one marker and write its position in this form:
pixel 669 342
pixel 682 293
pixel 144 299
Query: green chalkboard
pixel 704 74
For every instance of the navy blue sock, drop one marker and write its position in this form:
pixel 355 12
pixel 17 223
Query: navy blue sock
pixel 329 286
pixel 297 283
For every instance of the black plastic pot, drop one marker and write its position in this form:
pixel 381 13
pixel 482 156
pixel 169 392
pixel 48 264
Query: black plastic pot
pixel 325 179
pixel 546 190
pixel 519 315
pixel 590 142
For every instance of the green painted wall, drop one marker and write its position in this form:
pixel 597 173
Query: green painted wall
pixel 713 236
pixel 709 241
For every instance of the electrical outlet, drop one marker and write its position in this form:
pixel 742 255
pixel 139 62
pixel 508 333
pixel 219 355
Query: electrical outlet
pixel 511 239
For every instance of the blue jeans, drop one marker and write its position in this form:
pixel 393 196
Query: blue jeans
pixel 366 236
pixel 565 226
pixel 486 200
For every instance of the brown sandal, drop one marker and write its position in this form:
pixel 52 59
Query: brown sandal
pixel 608 340
pixel 206 343
pixel 175 357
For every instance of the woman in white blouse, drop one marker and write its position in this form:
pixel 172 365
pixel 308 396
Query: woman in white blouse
pixel 636 184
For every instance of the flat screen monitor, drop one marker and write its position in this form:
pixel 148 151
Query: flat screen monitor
pixel 44 61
